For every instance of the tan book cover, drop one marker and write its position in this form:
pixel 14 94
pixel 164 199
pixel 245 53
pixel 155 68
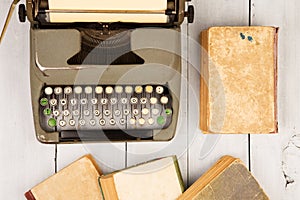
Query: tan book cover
pixel 78 181
pixel 228 179
pixel 157 179
pixel 238 86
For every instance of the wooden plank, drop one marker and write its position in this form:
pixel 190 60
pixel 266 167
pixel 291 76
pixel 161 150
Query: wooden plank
pixel 204 150
pixel 109 156
pixel 141 152
pixel 24 161
pixel 275 159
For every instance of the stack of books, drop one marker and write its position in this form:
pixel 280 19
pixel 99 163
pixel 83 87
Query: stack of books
pixel 157 179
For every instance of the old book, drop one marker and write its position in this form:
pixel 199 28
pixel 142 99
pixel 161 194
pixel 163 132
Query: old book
pixel 238 85
pixel 78 181
pixel 228 179
pixel 158 179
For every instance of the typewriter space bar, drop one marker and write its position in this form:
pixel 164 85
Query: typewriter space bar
pixel 105 135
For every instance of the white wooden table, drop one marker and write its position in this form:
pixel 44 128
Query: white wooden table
pixel 273 159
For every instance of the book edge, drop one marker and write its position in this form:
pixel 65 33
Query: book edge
pixel 203 120
pixel 178 172
pixel 29 196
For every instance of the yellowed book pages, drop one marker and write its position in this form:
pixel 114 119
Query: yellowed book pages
pixel 238 88
pixel 108 5
pixel 78 181
pixel 228 179
pixel 157 179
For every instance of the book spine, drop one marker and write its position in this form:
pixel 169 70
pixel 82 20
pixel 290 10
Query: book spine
pixel 180 179
pixel 29 195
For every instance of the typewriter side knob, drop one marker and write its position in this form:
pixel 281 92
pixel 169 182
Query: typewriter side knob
pixel 22 13
pixel 190 14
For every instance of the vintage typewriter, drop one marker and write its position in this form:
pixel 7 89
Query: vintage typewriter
pixel 105 70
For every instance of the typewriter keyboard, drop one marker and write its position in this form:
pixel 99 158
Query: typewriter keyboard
pixel 106 107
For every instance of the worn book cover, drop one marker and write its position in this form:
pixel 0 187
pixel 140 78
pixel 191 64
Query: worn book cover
pixel 228 179
pixel 157 179
pixel 238 86
pixel 78 181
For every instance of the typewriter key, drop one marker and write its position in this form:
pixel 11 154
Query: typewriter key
pixel 99 90
pixel 88 90
pixel 159 89
pixel 72 122
pixel 68 90
pixel 57 90
pixel 48 90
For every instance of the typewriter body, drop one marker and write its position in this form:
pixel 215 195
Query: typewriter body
pixel 99 75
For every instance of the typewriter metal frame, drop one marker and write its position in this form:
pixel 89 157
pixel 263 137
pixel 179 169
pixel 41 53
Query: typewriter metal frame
pixel 46 39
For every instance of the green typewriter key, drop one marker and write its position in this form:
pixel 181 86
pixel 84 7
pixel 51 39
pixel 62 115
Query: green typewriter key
pixel 44 102
pixel 161 120
pixel 47 111
pixel 52 122
pixel 168 111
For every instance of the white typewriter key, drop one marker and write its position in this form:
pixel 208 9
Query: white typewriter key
pixel 104 101
pixel 82 122
pixel 159 90
pixel 113 101
pixel 135 111
pixel 164 100
pixel 145 111
pixel 76 112
pixel 149 89
pixel 53 102
pixel 126 112
pixel 48 90
pixel 62 123
pixel 86 112
pixel 112 122
pixel 94 101
pixel 143 100
pixel 107 112
pixel 128 89
pixel 88 90
pixel 57 90
pixel 117 112
pixel 133 100
pixel 66 113
pixel 63 102
pixel 102 122
pixel 78 90
pixel 83 101
pixel 142 121
pixel 119 89
pixel 150 121
pixel 138 89
pixel 56 113
pixel 92 122
pixel 132 121
pixel 96 112
pixel 122 121
pixel 73 102
pixel 124 100
pixel 99 90
pixel 153 100
pixel 109 90
pixel 155 111
pixel 72 122
pixel 68 90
